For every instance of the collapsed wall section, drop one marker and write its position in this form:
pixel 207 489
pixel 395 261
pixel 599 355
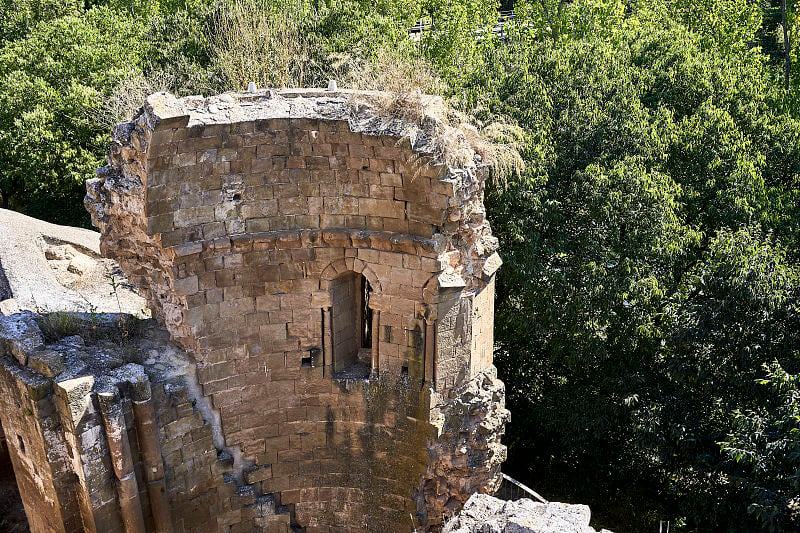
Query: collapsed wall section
pixel 108 436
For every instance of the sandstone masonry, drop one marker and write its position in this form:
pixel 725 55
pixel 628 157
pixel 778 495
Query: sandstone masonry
pixel 329 284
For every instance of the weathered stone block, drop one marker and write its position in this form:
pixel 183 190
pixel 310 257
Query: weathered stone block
pixel 20 336
pixel 49 363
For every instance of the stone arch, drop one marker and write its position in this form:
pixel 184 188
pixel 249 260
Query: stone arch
pixel 339 272
pixel 340 266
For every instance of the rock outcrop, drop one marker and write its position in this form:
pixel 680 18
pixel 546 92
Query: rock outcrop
pixel 46 268
pixel 485 514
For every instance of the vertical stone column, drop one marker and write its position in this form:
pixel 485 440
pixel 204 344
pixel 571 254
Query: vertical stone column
pixel 327 341
pixel 358 289
pixel 430 352
pixel 83 432
pixel 376 325
pixel 147 431
pixel 121 460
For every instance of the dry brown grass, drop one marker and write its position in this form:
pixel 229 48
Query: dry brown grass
pixel 454 137
pixel 403 81
pixel 259 41
pixel 496 143
pixel 457 140
pixel 129 95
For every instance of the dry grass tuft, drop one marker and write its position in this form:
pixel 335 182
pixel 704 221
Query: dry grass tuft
pixel 260 41
pixel 496 144
pixel 92 327
pixel 60 324
pixel 457 143
pixel 129 94
pixel 500 149
pixel 455 139
pixel 404 81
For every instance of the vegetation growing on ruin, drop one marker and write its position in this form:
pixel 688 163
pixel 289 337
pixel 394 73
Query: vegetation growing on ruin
pixel 91 327
pixel 647 313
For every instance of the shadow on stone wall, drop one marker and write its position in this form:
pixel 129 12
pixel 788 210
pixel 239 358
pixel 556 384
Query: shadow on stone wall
pixel 379 462
pixel 12 518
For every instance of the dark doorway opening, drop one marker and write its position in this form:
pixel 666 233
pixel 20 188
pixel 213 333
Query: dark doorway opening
pixel 12 513
pixel 366 314
pixel 352 326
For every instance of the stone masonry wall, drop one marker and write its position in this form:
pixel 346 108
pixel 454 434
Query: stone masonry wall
pixel 111 438
pixel 235 215
pixel 59 387
pixel 28 419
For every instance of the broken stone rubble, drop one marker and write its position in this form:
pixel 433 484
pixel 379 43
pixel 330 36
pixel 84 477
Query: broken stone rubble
pixel 468 452
pixel 485 514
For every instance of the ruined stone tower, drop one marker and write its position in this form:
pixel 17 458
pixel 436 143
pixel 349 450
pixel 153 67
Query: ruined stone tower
pixel 331 276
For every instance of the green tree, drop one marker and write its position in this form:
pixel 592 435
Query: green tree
pixel 560 19
pixel 648 150
pixel 733 313
pixel 455 33
pixel 764 443
pixel 722 24
pixel 51 85
pixel 17 17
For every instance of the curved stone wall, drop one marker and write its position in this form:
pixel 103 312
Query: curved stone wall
pixel 234 214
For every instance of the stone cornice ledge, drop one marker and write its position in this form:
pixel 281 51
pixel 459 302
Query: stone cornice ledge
pixel 304 238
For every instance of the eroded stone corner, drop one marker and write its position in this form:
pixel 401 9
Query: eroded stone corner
pixel 467 453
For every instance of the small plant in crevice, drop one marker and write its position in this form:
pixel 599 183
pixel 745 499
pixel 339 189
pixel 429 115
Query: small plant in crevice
pixel 92 327
pixel 57 325
pixel 127 326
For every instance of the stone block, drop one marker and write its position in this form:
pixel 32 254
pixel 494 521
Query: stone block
pixel 160 224
pixel 20 336
pixel 296 205
pixel 425 214
pixel 184 159
pixel 273 332
pixel 258 474
pixel 185 286
pixel 48 363
pixel 341 206
pixel 76 395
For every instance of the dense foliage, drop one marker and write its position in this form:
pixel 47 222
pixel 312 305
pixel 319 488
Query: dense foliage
pixel 648 314
pixel 650 292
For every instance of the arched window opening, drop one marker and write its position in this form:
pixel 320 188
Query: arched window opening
pixel 352 325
